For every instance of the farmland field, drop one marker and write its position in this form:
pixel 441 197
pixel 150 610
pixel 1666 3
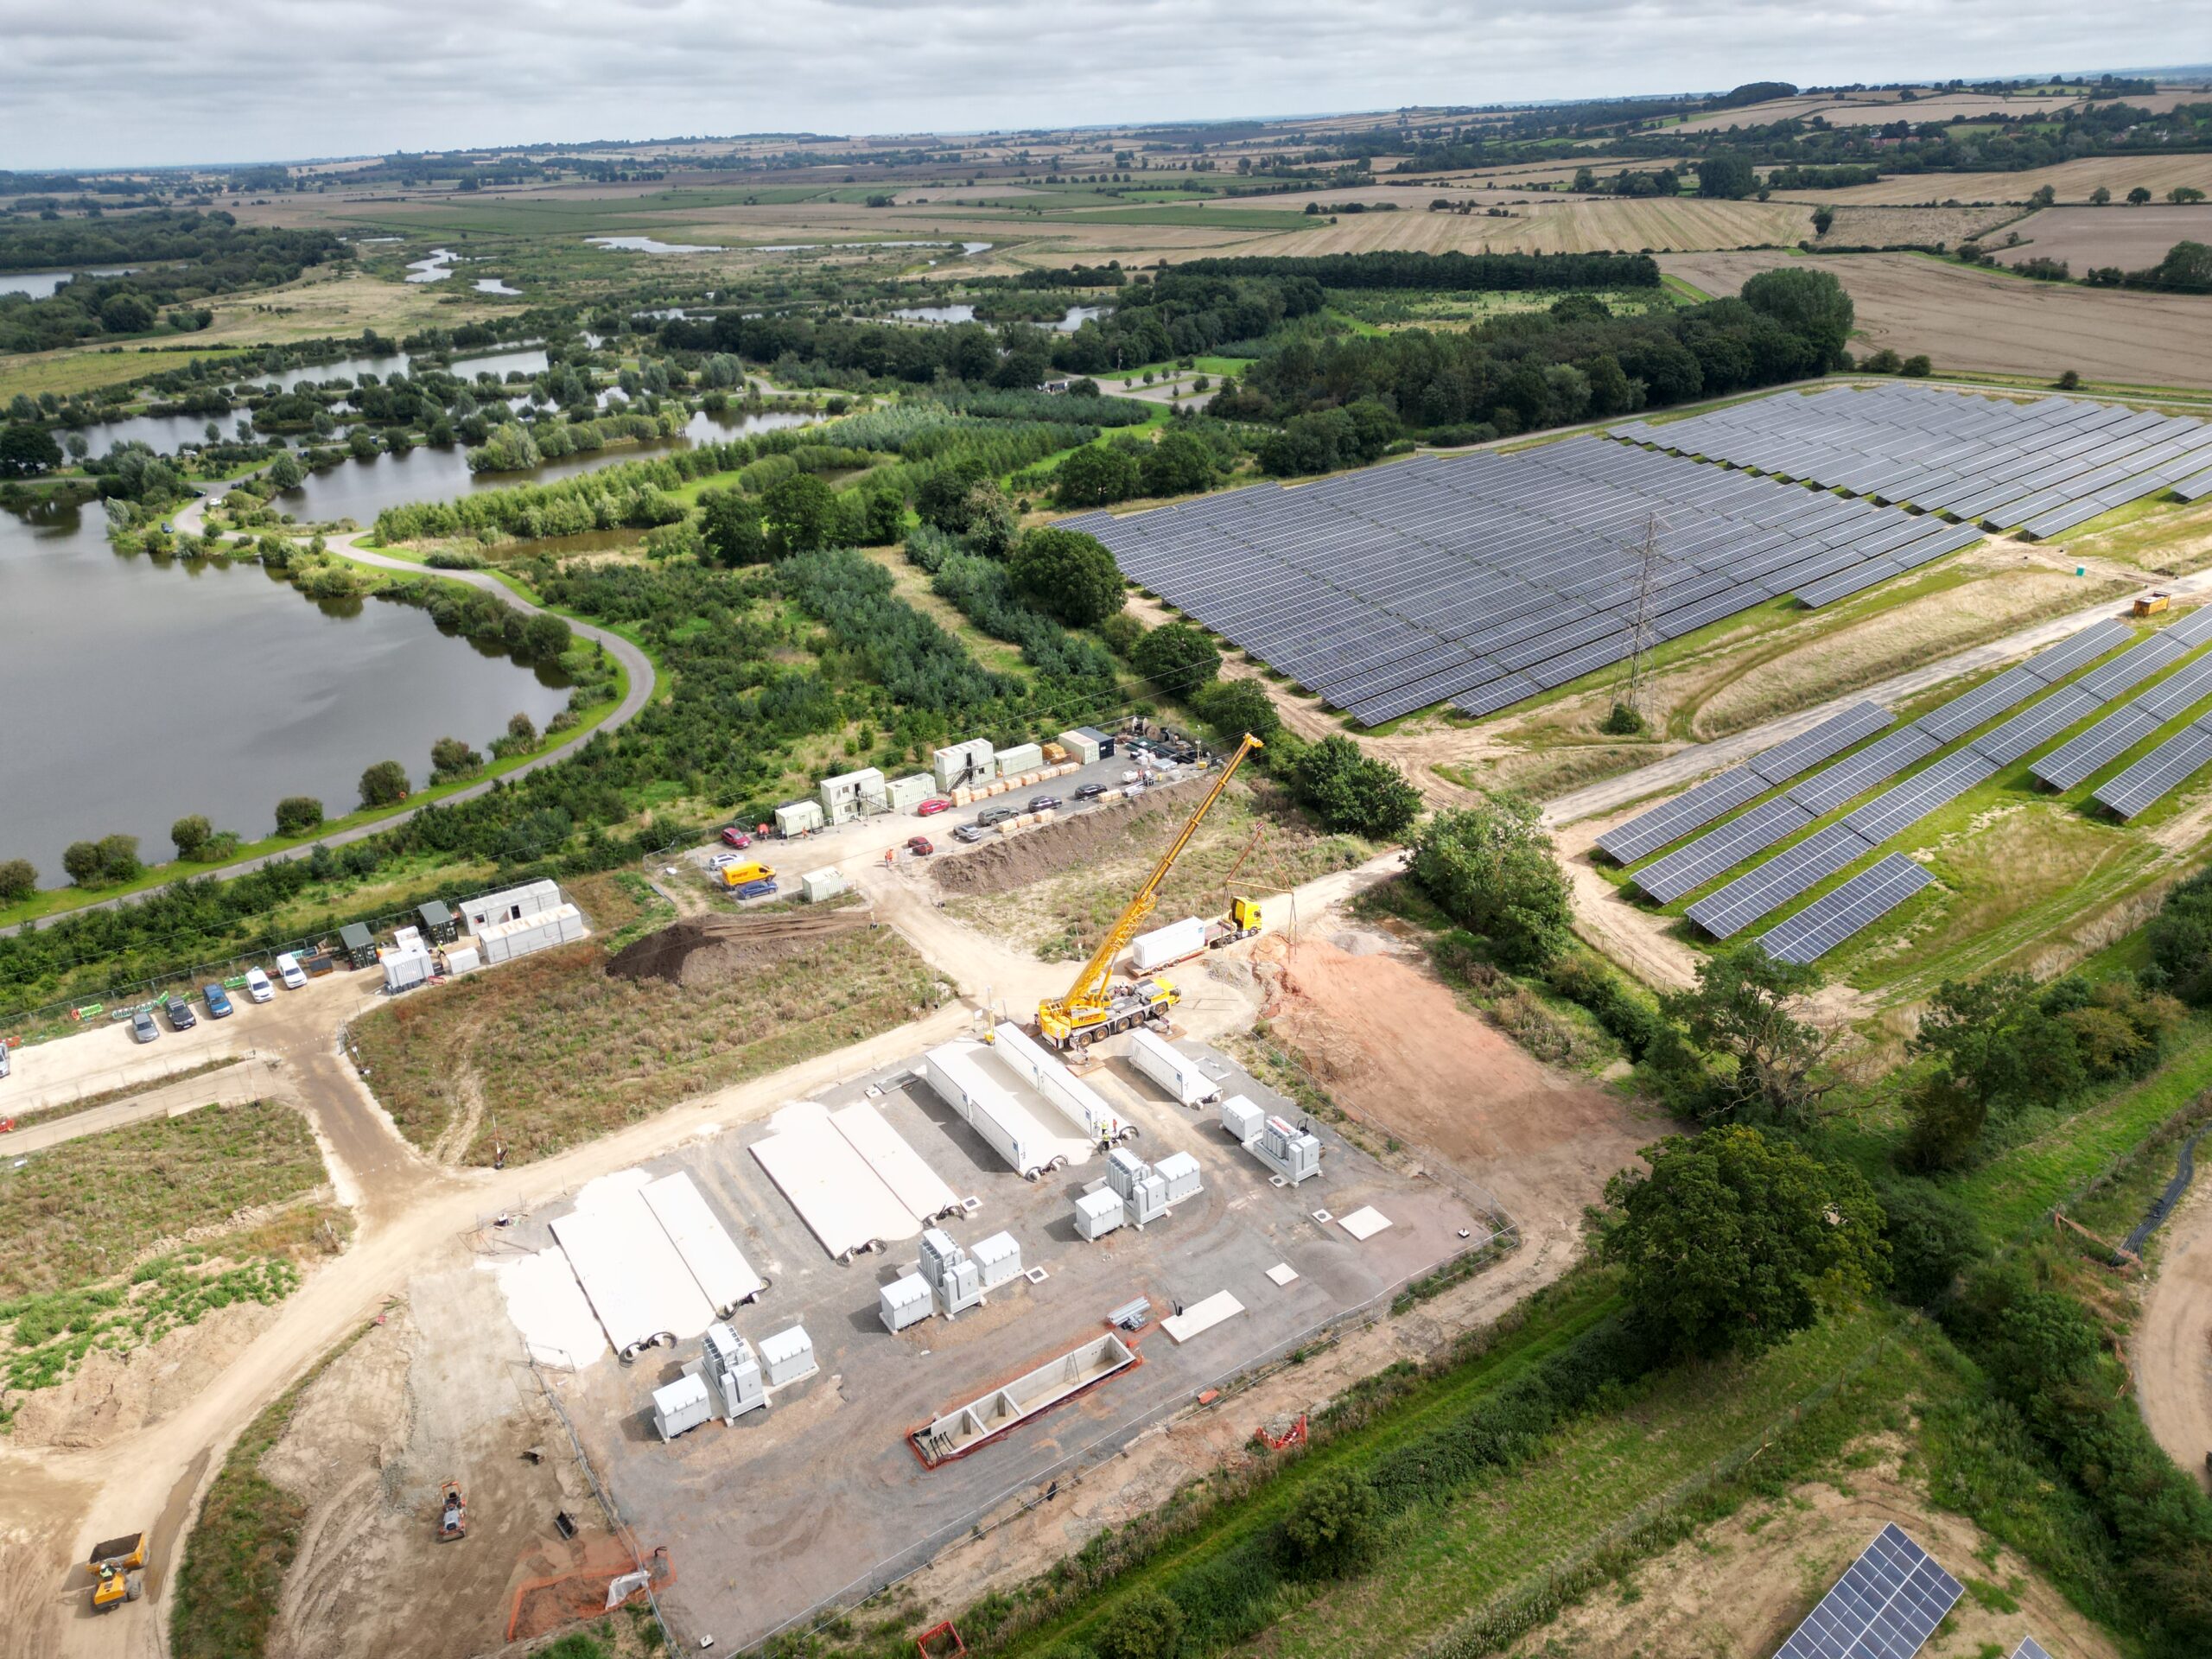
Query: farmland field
pixel 2072 180
pixel 1579 226
pixel 1979 321
pixel 1865 110
pixel 2134 238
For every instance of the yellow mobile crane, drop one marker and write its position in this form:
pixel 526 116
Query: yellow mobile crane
pixel 1095 1006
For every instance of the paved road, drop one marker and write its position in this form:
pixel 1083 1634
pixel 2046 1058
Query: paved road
pixel 635 664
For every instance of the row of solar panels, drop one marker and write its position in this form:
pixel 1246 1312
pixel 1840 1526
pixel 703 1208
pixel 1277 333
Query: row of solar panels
pixel 1482 580
pixel 1887 1603
pixel 2158 773
pixel 2043 466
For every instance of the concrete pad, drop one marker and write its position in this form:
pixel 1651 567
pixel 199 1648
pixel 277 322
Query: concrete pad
pixel 1283 1273
pixel 550 1308
pixel 1363 1224
pixel 719 1267
pixel 1201 1317
pixel 902 1169
pixel 844 1202
pixel 630 1269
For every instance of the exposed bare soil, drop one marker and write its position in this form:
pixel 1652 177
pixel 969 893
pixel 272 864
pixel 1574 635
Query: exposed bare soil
pixel 1986 322
pixel 708 950
pixel 1051 849
pixel 2134 238
pixel 2173 1337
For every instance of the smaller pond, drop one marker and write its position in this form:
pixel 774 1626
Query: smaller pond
pixel 1073 319
pixel 39 284
pixel 529 360
pixel 494 285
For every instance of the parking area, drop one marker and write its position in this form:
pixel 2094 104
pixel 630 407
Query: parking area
pixel 822 1494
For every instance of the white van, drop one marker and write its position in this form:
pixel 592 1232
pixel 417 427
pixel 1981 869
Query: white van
pixel 288 971
pixel 258 986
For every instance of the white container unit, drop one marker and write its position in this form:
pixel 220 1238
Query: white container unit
pixel 509 904
pixel 853 794
pixel 998 1258
pixel 787 1356
pixel 973 762
pixel 1170 943
pixel 404 968
pixel 1171 1069
pixel 903 794
pixel 1098 1214
pixel 681 1405
pixel 1022 757
pixel 798 819
pixel 1241 1119
pixel 951 1070
pixel 1082 747
pixel 903 1302
pixel 1074 1098
pixel 463 959
pixel 825 883
pixel 1180 1170
pixel 504 941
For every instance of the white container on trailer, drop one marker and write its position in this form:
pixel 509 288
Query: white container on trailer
pixel 1180 1170
pixel 1098 1214
pixel 1170 943
pixel 903 1302
pixel 1171 1069
pixel 681 1405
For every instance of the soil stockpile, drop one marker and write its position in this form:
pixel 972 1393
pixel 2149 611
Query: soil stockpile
pixel 704 949
pixel 1017 860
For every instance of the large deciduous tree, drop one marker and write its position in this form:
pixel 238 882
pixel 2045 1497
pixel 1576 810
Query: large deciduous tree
pixel 1491 869
pixel 1068 575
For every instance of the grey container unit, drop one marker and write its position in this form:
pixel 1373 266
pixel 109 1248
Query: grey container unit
pixel 1180 1170
pixel 1098 1214
pixel 731 1372
pixel 787 1356
pixel 998 1258
pixel 1240 1118
pixel 903 1302
pixel 358 944
pixel 681 1405
pixel 438 924
pixel 1105 741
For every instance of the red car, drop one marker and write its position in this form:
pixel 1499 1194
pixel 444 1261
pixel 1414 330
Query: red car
pixel 734 836
pixel 930 808
pixel 920 846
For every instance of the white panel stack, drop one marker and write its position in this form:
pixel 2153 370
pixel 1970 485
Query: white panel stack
pixel 717 1266
pixel 1171 1069
pixel 900 1167
pixel 1030 1061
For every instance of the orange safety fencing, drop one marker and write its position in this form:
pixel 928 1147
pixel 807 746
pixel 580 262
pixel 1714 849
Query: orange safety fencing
pixel 544 1605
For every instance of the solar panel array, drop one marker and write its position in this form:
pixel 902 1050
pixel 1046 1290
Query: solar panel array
pixel 2030 1648
pixel 2044 467
pixel 1725 791
pixel 2159 772
pixel 1793 870
pixel 1885 1606
pixel 1482 578
pixel 2121 730
pixel 1835 917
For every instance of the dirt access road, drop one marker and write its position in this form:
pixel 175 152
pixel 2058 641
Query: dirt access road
pixel 2173 1338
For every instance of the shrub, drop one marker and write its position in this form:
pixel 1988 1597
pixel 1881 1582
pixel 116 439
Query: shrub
pixel 1120 632
pixel 383 783
pixel 1351 791
pixel 1932 1239
pixel 1146 1626
pixel 1233 707
pixel 1067 575
pixel 1491 869
pixel 297 813
pixel 190 835
pixel 18 880
pixel 1330 1529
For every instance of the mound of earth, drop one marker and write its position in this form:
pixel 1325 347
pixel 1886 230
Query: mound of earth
pixel 1016 860
pixel 706 949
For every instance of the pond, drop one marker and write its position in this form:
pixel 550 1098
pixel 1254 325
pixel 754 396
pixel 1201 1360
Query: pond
pixel 494 285
pixel 648 244
pixel 140 691
pixel 1071 320
pixel 40 284
pixel 436 269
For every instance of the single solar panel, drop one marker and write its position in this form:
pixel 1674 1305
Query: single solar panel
pixel 2131 668
pixel 1886 1605
pixel 1835 917
pixel 2030 1648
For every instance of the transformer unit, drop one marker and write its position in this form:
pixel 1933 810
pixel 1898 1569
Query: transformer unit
pixel 733 1374
pixel 998 1258
pixel 787 1356
pixel 1180 1170
pixel 1292 1153
pixel 1143 1194
pixel 956 1282
pixel 680 1405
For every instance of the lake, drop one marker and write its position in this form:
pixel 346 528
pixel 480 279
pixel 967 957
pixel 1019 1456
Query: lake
pixel 531 361
pixel 40 284
pixel 1072 318
pixel 139 690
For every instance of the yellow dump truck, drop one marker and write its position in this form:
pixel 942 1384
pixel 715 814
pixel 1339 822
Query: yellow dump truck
pixel 740 875
pixel 119 1569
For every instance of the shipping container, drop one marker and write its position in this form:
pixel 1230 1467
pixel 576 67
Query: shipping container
pixel 852 795
pixel 904 794
pixel 1183 1078
pixel 955 1072
pixel 964 764
pixel 1022 757
pixel 1176 941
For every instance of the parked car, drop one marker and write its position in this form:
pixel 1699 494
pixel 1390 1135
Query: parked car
pixel 763 888
pixel 920 846
pixel 288 971
pixel 970 833
pixel 142 1027
pixel 181 1017
pixel 995 816
pixel 258 986
pixel 1089 791
pixel 1043 802
pixel 218 1001
pixel 734 836
pixel 931 807
pixel 4 1065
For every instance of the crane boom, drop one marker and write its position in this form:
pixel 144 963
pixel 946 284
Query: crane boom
pixel 1086 1008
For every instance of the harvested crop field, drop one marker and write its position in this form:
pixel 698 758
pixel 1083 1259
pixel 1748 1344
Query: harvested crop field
pixel 1577 226
pixel 1922 227
pixel 1056 891
pixel 1982 322
pixel 2073 180
pixel 2134 238
pixel 1876 110
pixel 558 1047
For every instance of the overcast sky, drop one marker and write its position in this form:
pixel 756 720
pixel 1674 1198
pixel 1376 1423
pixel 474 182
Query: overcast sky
pixel 88 83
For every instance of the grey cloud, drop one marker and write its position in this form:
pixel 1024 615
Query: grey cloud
pixel 110 82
